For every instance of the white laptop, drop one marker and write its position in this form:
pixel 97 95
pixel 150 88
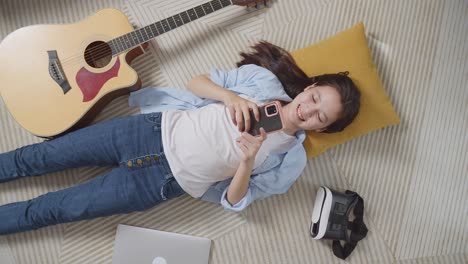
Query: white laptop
pixel 148 246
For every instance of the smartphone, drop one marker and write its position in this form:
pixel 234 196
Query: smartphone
pixel 270 119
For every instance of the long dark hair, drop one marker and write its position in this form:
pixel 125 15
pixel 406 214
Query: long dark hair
pixel 294 80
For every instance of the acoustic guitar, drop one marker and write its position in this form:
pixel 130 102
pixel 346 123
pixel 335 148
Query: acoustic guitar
pixel 56 78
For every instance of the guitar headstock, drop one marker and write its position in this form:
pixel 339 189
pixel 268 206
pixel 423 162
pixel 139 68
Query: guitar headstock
pixel 250 3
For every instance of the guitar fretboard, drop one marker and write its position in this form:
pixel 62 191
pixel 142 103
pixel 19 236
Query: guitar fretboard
pixel 142 35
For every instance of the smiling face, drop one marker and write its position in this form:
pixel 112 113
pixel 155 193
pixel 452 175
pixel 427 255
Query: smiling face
pixel 313 109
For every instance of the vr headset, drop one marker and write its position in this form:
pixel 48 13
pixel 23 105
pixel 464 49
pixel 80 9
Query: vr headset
pixel 330 219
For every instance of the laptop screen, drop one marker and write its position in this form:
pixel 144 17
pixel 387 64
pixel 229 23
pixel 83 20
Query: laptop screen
pixel 142 245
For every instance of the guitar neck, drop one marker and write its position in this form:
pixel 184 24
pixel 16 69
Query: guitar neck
pixel 142 35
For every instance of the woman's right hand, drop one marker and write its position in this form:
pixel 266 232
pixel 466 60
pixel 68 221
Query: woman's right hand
pixel 250 145
pixel 239 108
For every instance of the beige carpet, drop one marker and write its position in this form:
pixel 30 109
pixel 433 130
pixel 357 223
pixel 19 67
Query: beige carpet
pixel 413 177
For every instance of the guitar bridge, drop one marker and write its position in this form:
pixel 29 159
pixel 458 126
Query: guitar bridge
pixel 56 72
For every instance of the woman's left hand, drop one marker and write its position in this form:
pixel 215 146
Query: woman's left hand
pixel 239 109
pixel 250 144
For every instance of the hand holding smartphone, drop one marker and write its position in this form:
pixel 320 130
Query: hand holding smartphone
pixel 270 119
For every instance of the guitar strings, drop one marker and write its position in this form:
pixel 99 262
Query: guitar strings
pixel 88 59
pixel 97 52
pixel 102 48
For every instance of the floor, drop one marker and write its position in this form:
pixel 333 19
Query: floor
pixel 413 177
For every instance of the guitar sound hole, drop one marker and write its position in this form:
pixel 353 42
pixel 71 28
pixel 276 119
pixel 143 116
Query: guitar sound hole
pixel 98 54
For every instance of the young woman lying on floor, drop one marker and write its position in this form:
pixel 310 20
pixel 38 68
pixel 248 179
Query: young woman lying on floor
pixel 191 142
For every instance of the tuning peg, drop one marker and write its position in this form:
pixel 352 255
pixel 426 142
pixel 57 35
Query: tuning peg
pixel 251 6
pixel 259 4
pixel 256 5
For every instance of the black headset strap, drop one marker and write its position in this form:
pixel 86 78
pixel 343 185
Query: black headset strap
pixel 357 227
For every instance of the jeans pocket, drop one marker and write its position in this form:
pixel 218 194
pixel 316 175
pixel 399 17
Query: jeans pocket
pixel 171 189
pixel 153 118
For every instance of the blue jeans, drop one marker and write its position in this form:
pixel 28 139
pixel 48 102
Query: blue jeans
pixel 141 177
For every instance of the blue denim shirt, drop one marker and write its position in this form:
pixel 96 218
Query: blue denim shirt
pixel 278 172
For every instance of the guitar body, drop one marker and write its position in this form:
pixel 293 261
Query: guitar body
pixel 56 78
pixel 33 86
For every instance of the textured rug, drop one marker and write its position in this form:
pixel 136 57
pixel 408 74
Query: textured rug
pixel 412 176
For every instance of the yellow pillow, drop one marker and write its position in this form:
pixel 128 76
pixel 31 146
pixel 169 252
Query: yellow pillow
pixel 348 51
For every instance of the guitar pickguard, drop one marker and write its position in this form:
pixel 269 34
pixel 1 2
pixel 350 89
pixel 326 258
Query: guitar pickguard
pixel 91 83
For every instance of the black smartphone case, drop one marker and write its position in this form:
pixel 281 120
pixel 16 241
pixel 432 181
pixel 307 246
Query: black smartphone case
pixel 269 123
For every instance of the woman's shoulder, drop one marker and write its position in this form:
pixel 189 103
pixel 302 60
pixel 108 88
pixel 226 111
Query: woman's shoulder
pixel 252 80
pixel 257 71
pixel 262 78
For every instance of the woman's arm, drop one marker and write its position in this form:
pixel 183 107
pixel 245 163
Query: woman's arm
pixel 240 182
pixel 239 108
pixel 203 87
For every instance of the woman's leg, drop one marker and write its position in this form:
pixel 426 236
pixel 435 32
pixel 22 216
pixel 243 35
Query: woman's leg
pixel 124 189
pixel 97 145
pixel 142 179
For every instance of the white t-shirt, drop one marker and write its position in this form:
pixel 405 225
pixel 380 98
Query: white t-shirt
pixel 200 146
